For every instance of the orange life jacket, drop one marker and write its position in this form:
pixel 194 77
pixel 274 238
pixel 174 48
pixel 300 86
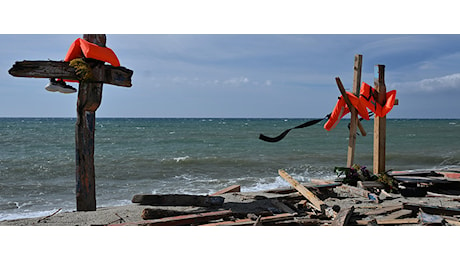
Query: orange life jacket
pixel 367 99
pixel 82 48
pixel 341 109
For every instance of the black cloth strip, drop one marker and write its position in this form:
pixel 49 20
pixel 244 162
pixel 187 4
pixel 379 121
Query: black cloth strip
pixel 283 134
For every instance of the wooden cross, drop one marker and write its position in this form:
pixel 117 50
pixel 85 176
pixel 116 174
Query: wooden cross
pixel 89 99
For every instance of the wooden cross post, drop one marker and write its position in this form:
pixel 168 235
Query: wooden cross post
pixel 379 122
pixel 357 68
pixel 89 99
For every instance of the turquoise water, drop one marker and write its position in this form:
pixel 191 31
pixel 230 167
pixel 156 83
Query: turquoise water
pixel 194 156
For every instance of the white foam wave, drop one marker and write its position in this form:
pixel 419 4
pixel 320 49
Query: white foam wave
pixel 182 158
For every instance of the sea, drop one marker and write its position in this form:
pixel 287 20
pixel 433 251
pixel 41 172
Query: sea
pixel 195 156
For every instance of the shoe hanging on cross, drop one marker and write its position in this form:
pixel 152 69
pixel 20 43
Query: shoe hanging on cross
pixel 59 86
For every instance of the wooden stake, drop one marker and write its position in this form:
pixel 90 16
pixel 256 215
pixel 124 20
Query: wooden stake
pixel 354 113
pixel 379 122
pixel 89 99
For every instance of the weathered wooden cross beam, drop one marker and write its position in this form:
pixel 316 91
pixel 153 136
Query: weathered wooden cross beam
pixel 89 100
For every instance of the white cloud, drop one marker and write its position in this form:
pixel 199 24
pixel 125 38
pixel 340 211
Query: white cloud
pixel 237 81
pixel 447 82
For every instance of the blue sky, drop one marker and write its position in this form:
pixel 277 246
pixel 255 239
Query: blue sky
pixel 242 75
pixel 244 59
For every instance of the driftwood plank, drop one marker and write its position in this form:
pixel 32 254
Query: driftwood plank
pixel 397 221
pixel 250 222
pixel 343 217
pixel 233 188
pixel 316 202
pixel 195 219
pixel 178 200
pixel 156 213
pixel 119 76
pixel 304 221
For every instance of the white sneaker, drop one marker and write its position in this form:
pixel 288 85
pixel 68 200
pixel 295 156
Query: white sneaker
pixel 59 86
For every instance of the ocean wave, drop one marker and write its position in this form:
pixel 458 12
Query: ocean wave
pixel 22 215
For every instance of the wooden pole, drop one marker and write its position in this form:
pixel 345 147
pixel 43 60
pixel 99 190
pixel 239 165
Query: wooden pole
pixel 379 122
pixel 354 113
pixel 89 99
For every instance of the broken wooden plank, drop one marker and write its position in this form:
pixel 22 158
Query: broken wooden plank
pixel 397 221
pixel 432 209
pixel 452 221
pixel 384 210
pixel 156 213
pixel 195 219
pixel 343 217
pixel 358 192
pixel 302 221
pixel 119 76
pixel 451 175
pixel 233 188
pixel 178 200
pixel 250 222
pixel 317 203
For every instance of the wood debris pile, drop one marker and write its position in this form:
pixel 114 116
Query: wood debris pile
pixel 426 198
